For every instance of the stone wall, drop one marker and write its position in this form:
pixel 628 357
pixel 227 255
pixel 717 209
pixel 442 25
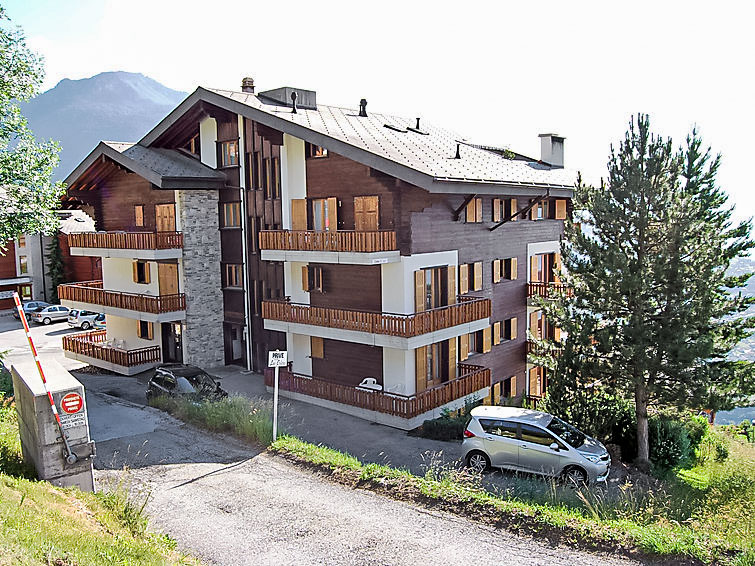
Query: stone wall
pixel 197 215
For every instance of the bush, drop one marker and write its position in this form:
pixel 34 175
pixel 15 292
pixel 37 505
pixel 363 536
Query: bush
pixel 714 447
pixel 697 429
pixel 450 425
pixel 669 442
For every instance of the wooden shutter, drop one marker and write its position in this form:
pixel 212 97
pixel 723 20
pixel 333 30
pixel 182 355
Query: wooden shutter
pixel 478 276
pixel 478 209
pixel 556 267
pixel 366 213
pixel 513 386
pixel 533 324
pixel 514 208
pixel 463 279
pixel 135 270
pixel 139 215
pixel 513 324
pixel 496 332
pixel 452 358
pixel 560 209
pixel 305 277
pixel 534 382
pixel 332 214
pixel 165 217
pixel 420 363
pixel 534 274
pixel 496 270
pixel 533 213
pixel 496 210
pixel 486 340
pixel 317 348
pixel 299 214
pixel 150 330
pixel 557 334
pixel 419 290
pixel 167 278
pixel 451 280
pixel 471 211
pixel 514 268
pixel 463 347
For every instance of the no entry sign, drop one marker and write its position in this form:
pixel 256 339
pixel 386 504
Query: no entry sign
pixel 71 403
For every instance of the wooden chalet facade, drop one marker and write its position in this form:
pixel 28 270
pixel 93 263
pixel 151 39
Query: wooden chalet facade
pixel 394 263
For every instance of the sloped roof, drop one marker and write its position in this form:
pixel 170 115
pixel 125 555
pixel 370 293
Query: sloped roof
pixel 75 221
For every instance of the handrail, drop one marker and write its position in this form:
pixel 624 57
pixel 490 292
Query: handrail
pixel 330 241
pixel 547 289
pixel 127 240
pixel 468 309
pixel 91 344
pixel 92 292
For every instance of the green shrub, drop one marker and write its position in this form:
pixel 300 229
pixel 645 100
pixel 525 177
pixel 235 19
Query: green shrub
pixel 697 428
pixel 669 442
pixel 450 425
pixel 713 448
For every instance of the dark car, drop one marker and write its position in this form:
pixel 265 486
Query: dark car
pixel 178 380
pixel 29 307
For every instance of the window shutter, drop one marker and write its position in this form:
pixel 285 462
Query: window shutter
pixel 478 276
pixel 139 328
pixel 150 330
pixel 533 324
pixel 478 206
pixel 299 214
pixel 557 334
pixel 305 277
pixel 496 270
pixel 135 269
pixel 514 208
pixel 452 358
pixel 496 210
pixel 534 382
pixel 451 280
pixel 556 267
pixel 514 324
pixel 463 279
pixel 147 272
pixel 419 290
pixel 533 213
pixel 420 357
pixel 560 209
pixel 317 348
pixel 463 347
pixel 534 275
pixel 471 210
pixel 514 268
pixel 332 214
pixel 513 386
pixel 497 333
pixel 486 340
pixel 139 215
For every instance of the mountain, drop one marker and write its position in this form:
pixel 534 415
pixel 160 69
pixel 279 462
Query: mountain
pixel 116 106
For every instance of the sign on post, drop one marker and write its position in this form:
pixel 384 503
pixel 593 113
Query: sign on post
pixel 276 359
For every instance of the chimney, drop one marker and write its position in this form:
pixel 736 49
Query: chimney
pixel 247 85
pixel 363 108
pixel 552 149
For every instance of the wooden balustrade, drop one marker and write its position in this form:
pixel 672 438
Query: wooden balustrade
pixel 337 241
pixel 472 378
pixel 91 292
pixel 533 348
pixel 547 290
pixel 127 240
pixel 405 325
pixel 94 345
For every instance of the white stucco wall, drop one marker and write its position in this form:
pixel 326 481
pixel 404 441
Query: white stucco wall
pixel 208 135
pixel 397 279
pixel 293 175
pixel 398 371
pixel 119 328
pixel 299 352
pixel 292 282
pixel 118 275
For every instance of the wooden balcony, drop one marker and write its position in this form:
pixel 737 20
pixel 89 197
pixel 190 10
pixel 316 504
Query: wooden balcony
pixel 337 241
pixel 127 240
pixel 535 349
pixel 91 292
pixel 472 378
pixel 468 309
pixel 95 345
pixel 547 290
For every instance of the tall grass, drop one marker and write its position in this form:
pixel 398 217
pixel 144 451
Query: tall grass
pixel 248 418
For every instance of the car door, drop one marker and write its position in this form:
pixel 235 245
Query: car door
pixel 535 453
pixel 62 313
pixel 500 442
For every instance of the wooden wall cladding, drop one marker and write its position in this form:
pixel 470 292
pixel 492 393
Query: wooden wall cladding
pixel 349 363
pixel 116 197
pixel 349 287
pixel 8 261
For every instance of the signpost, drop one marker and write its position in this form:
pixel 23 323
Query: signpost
pixel 276 359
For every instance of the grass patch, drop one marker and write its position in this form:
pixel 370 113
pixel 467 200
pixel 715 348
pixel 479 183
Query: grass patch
pixel 246 418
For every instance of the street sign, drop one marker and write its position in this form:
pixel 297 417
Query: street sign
pixel 277 358
pixel 71 403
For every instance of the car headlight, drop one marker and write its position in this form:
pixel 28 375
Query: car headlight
pixel 591 458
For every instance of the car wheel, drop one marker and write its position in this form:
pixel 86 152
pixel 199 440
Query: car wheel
pixel 86 326
pixel 46 321
pixel 478 462
pixel 574 477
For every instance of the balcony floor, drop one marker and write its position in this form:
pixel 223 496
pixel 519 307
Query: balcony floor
pixel 123 370
pixel 148 255
pixel 352 258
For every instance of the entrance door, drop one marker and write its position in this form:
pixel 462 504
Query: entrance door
pixel 165 217
pixel 172 349
pixel 325 214
pixel 167 274
pixel 366 214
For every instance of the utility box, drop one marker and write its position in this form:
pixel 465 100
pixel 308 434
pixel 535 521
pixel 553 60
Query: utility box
pixel 41 440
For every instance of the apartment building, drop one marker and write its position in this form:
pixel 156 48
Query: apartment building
pixel 392 259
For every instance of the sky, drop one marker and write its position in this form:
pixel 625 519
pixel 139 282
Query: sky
pixel 499 73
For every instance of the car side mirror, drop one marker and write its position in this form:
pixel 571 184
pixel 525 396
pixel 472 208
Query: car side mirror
pixel 554 447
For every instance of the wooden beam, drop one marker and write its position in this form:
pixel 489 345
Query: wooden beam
pixel 526 209
pixel 467 200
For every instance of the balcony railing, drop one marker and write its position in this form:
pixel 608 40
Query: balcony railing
pixel 95 345
pixel 337 241
pixel 91 292
pixel 127 240
pixel 535 349
pixel 468 309
pixel 547 290
pixel 471 379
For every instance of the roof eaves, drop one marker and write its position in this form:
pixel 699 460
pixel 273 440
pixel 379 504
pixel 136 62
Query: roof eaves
pixel 107 150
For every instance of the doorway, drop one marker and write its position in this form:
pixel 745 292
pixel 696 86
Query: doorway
pixel 172 347
pixel 165 217
pixel 167 275
pixel 366 214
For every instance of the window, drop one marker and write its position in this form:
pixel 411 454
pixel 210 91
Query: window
pixel 258 170
pixel 510 328
pixel 25 292
pixel 463 278
pixel 138 215
pixel 505 209
pixel 311 278
pixel 21 241
pixel 539 211
pixel 316 347
pixel 233 275
pixel 509 387
pixel 560 209
pixel 470 277
pixel 474 210
pixel 144 329
pixel 499 428
pixel 509 268
pixel 229 153
pixel 23 265
pixel 141 271
pixel 266 178
pixel 231 214
pixel 536 435
pixel 476 342
pixel 193 145
pixel 316 151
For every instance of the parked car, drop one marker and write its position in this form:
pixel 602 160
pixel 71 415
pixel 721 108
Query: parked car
pixel 100 323
pixel 52 313
pixel 178 380
pixel 534 442
pixel 29 307
pixel 82 319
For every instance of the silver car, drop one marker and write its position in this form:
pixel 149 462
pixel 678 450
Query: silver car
pixel 53 313
pixel 534 442
pixel 82 319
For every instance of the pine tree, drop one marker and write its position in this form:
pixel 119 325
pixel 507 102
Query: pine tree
pixel 55 265
pixel 652 315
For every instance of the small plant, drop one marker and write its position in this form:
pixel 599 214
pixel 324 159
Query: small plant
pixel 669 443
pixel 450 425
pixel 126 502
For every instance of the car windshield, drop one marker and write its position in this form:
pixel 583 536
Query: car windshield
pixel 183 385
pixel 203 382
pixel 567 432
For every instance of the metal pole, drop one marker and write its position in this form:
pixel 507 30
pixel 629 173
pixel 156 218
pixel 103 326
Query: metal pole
pixel 275 406
pixel 71 458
